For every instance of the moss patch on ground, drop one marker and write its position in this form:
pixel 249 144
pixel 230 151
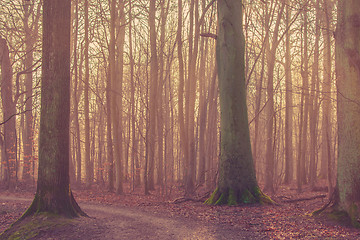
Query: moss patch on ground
pixel 32 226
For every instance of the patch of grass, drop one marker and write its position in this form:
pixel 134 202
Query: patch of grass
pixel 31 227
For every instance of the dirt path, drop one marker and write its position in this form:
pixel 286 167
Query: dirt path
pixel 113 222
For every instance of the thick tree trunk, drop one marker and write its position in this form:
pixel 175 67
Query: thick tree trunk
pixel 348 74
pixel 237 180
pixel 53 187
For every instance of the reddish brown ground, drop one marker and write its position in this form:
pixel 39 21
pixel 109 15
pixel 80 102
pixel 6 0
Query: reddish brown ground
pixel 159 217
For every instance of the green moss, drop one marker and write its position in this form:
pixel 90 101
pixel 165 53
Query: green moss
pixel 337 215
pixel 247 197
pixel 232 199
pixel 354 215
pixel 30 227
pixel 211 200
pixel 221 200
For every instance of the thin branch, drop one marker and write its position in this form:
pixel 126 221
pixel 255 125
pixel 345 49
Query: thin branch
pixel 15 114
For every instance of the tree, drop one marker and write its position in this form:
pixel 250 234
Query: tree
pixel 347 39
pixel 271 56
pixel 237 180
pixel 289 164
pixel 9 112
pixel 53 187
pixel 31 32
pixel 88 167
pixel 153 95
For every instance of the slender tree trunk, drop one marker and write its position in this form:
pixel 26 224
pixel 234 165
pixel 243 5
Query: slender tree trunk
pixel 109 93
pixel 30 39
pixel 154 75
pixel 117 103
pixel 202 109
pixel 9 111
pixel 326 93
pixel 301 177
pixel 88 167
pixel 183 135
pixel 270 165
pixel 314 109
pixel 132 102
pixel 289 156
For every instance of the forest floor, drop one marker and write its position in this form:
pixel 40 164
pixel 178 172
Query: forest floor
pixel 136 216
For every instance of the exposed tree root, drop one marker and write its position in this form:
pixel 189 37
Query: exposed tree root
pixel 231 197
pixel 304 199
pixel 350 215
pixel 330 202
pixel 189 199
pixel 68 208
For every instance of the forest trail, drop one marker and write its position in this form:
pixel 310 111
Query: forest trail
pixel 114 222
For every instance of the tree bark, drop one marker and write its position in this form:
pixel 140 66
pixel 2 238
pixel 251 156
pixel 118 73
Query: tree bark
pixel 154 75
pixel 9 111
pixel 289 156
pixel 53 187
pixel 347 38
pixel 88 167
pixel 237 180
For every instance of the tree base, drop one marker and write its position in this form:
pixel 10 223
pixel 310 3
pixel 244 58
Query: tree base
pixel 67 208
pixel 333 212
pixel 232 197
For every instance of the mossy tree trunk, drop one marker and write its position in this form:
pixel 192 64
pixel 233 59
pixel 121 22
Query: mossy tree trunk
pixel 237 180
pixel 347 37
pixel 53 187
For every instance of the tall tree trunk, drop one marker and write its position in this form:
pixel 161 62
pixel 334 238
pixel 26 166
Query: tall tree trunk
pixel 161 80
pixel 30 39
pixel 53 187
pixel 326 92
pixel 154 75
pixel 304 111
pixel 109 93
pixel 202 109
pixel 76 95
pixel 183 135
pixel 237 180
pixel 271 56
pixel 88 167
pixel 9 111
pixel 117 103
pixel 289 156
pixel 132 102
pixel 347 38
pixel 190 96
pixel 314 105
